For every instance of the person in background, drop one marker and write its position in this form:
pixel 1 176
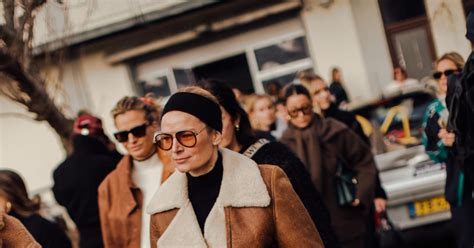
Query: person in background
pixel 220 198
pixel 439 139
pixel 401 82
pixel 237 135
pixel 78 177
pixel 337 89
pixel 273 89
pixel 324 144
pixel 322 98
pixel 14 195
pixel 262 114
pixel 125 192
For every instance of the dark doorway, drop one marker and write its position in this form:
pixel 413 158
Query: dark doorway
pixel 233 70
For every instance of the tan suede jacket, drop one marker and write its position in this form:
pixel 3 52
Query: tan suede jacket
pixel 121 205
pixel 256 207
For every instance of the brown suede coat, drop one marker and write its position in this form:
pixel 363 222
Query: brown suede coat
pixel 256 207
pixel 14 234
pixel 121 205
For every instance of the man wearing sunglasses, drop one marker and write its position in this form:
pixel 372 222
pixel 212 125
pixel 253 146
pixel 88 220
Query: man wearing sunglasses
pixel 126 191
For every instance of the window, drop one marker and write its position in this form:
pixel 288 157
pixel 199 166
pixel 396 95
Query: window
pixel 282 53
pixel 157 85
pixel 408 36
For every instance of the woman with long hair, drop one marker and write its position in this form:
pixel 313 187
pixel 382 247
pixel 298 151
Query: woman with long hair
pixel 328 147
pixel 238 135
pixel 19 205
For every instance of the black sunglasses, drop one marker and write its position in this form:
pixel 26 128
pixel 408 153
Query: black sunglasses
pixel 306 110
pixel 187 138
pixel 138 131
pixel 438 74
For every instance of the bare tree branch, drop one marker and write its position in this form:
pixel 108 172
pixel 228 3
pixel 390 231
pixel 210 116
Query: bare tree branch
pixel 9 13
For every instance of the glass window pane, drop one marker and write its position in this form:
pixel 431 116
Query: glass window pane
pixel 183 77
pixel 282 53
pixel 394 11
pixel 159 86
pixel 413 52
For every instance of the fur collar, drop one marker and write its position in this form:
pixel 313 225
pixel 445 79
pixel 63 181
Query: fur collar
pixel 242 186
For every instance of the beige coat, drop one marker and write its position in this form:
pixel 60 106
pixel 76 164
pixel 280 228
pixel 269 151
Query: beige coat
pixel 121 204
pixel 256 207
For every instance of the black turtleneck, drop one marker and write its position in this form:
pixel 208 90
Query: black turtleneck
pixel 203 191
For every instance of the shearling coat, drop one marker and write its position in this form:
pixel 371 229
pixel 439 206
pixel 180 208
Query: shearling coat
pixel 121 205
pixel 256 207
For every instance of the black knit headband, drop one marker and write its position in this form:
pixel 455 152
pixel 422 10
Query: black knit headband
pixel 199 106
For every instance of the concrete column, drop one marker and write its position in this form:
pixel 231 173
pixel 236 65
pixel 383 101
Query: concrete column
pixel 333 35
pixel 448 26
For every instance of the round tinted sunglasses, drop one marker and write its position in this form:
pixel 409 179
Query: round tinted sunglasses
pixel 187 138
pixel 439 74
pixel 138 132
pixel 306 110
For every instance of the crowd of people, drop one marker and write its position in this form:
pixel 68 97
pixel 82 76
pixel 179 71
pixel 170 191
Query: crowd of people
pixel 208 169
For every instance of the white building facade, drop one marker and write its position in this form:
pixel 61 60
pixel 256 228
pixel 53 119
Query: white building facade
pixel 117 49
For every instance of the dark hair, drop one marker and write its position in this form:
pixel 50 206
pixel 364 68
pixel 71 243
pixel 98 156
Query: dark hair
pixel 226 97
pixel 295 89
pixel 13 188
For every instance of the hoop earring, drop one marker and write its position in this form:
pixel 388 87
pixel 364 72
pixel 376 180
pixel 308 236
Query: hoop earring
pixel 237 127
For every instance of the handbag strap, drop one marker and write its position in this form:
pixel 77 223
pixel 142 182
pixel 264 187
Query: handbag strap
pixel 251 150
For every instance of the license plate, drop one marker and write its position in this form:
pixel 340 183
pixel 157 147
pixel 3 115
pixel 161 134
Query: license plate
pixel 428 206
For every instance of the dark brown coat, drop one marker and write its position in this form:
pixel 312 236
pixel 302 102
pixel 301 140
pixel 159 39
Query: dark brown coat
pixel 333 139
pixel 121 205
pixel 256 207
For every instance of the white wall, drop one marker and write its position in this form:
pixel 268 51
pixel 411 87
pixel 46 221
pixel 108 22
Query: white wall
pixel 448 26
pixel 373 41
pixel 27 146
pixel 333 38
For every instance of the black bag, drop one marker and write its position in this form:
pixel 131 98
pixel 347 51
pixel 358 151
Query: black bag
pixel 387 235
pixel 346 184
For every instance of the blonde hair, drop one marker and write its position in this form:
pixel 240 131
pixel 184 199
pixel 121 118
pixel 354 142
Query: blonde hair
pixel 147 104
pixel 200 91
pixel 250 108
pixel 454 57
pixel 307 80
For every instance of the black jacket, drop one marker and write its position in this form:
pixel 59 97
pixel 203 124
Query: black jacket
pixel 276 153
pixel 46 233
pixel 76 181
pixel 338 91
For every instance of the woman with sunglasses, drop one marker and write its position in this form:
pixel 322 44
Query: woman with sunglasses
pixel 237 135
pixel 125 192
pixel 220 198
pixel 323 144
pixel 438 139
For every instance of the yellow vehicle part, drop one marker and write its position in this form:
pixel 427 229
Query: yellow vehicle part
pixel 407 139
